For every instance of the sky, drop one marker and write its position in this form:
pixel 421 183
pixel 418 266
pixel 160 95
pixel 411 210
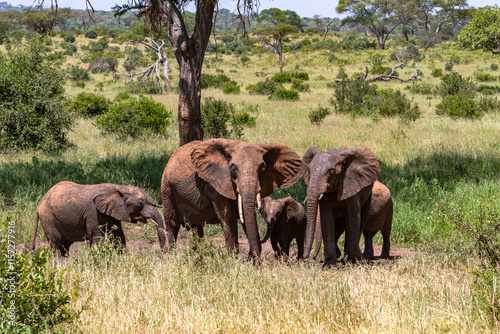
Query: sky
pixel 303 8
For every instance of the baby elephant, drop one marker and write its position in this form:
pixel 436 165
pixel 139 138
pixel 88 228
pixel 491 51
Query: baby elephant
pixel 72 212
pixel 379 219
pixel 286 220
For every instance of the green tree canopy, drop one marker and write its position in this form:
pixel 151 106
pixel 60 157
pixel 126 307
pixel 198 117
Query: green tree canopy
pixel 483 32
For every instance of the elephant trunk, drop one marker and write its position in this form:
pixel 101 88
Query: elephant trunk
pixel 318 237
pixel 270 226
pixel 248 202
pixel 157 219
pixel 312 199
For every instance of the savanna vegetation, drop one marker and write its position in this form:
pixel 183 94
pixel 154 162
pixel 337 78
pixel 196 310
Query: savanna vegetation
pixel 438 139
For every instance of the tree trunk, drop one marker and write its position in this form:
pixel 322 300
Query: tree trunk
pixel 280 53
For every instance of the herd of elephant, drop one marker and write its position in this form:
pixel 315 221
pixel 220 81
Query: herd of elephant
pixel 221 181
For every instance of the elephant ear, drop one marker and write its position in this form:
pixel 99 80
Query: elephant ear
pixel 359 168
pixel 284 167
pixel 210 160
pixel 112 203
pixel 307 158
pixel 292 207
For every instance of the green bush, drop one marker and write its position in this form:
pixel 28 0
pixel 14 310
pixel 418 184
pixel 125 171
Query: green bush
pixel 494 67
pixel 143 87
pixel 35 295
pixel 222 120
pixel 350 96
pixel 245 59
pixel 103 64
pixel 215 81
pixel 394 103
pixel 300 75
pixel 300 85
pixel 88 104
pixel 488 104
pixel 284 95
pixel 231 89
pixel 316 116
pixel 448 66
pixel 263 87
pixel 437 73
pixel 31 100
pixel 91 34
pixel 134 117
pixel 379 69
pixel 482 76
pixel 69 48
pixel 454 84
pixel 133 59
pixel 76 73
pixel 282 77
pixel 459 106
pixel 69 38
pixel 423 88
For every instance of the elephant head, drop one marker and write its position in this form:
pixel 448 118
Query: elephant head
pixel 342 172
pixel 129 204
pixel 246 172
pixel 279 211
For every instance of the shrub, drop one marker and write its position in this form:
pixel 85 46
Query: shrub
pixel 103 64
pixel 133 58
pixel 437 73
pixel 231 89
pixel 245 59
pixel 221 120
pixel 284 94
pixel 69 38
pixel 349 96
pixel 448 66
pixel 31 100
pixel 133 117
pixel 69 49
pixel 77 73
pixel 331 58
pixel 300 75
pixel 263 87
pixel 88 104
pixel 422 88
pixel 35 296
pixel 91 34
pixel 216 81
pixel 300 85
pixel 482 76
pixel 316 116
pixel 143 87
pixel 282 77
pixel 454 84
pixel 379 69
pixel 353 42
pixel 459 106
pixel 99 46
pixel 494 67
pixel 394 103
pixel 488 103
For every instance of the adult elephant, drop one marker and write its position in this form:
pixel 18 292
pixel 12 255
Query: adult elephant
pixel 340 182
pixel 379 219
pixel 219 180
pixel 72 212
pixel 286 221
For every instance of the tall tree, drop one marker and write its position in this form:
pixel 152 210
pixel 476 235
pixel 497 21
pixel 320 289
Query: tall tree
pixel 443 13
pixel 483 31
pixel 282 24
pixel 189 47
pixel 376 15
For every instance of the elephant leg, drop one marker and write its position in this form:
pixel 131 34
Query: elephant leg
pixel 226 215
pixel 328 230
pixel 300 247
pixel 339 229
pixel 278 251
pixel 65 248
pixel 173 219
pixel 368 253
pixel 386 235
pixel 353 230
pixel 118 235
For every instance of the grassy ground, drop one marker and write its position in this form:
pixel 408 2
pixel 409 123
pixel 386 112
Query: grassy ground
pixel 435 168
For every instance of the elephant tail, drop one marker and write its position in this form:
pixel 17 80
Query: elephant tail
pixel 34 236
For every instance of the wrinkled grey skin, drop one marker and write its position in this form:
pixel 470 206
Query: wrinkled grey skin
pixel 379 219
pixel 286 221
pixel 339 186
pixel 72 212
pixel 219 181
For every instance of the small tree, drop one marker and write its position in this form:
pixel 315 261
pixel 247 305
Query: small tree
pixel 31 100
pixel 483 31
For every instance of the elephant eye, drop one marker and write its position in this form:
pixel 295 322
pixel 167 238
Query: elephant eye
pixel 331 173
pixel 262 168
pixel 233 170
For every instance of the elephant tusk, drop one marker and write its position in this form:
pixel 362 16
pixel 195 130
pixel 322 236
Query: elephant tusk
pixel 259 205
pixel 240 209
pixel 320 197
pixel 153 221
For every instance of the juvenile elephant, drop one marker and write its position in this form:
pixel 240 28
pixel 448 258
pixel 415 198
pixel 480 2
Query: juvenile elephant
pixel 219 180
pixel 340 182
pixel 286 220
pixel 72 212
pixel 379 219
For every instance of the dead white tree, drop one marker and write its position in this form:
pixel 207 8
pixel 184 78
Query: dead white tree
pixel 387 77
pixel 153 69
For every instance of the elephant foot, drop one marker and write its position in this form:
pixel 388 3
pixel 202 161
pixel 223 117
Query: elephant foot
pixel 330 265
pixel 368 255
